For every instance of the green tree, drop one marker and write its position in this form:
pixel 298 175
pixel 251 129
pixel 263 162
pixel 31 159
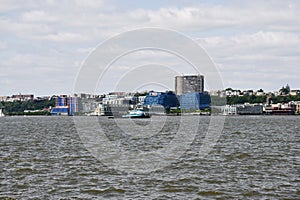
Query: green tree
pixel 285 90
pixel 21 106
pixel 260 90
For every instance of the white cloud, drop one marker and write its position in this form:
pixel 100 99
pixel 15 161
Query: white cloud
pixel 14 5
pixel 85 50
pixel 90 4
pixel 92 18
pixel 240 36
pixel 38 16
pixel 260 44
pixel 266 57
pixel 256 42
pixel 65 37
pixel 24 30
pixel 2 45
pixel 32 61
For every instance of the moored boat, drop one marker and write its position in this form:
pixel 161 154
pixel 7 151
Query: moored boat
pixel 1 113
pixel 137 113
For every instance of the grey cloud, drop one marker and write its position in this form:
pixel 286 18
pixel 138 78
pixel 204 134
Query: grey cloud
pixel 239 36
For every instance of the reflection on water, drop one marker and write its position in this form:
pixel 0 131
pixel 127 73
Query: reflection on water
pixel 255 157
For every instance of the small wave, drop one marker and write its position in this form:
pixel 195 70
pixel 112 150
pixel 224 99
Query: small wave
pixel 21 186
pixel 243 155
pixel 210 193
pixel 175 189
pixel 236 133
pixel 215 181
pixel 104 191
pixel 6 159
pixel 237 156
pixel 7 198
pixel 251 193
pixel 25 170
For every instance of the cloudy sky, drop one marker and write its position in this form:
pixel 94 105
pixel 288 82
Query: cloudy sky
pixel 254 44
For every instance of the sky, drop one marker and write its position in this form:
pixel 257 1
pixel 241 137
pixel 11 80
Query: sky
pixel 43 44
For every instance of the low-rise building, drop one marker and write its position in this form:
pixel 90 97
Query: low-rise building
pixel 60 110
pixel 4 98
pixel 22 97
pixel 249 109
pixel 280 109
pixel 167 99
pixel 17 97
pixel 260 93
pixel 66 105
pixel 294 92
pixel 244 109
pixel 228 110
pixel 297 108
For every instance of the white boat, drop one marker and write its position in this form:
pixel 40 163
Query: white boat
pixel 137 113
pixel 1 113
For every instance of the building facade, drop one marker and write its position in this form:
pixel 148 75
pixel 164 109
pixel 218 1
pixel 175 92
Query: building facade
pixel 190 83
pixel 248 109
pixel 66 105
pixel 166 99
pixel 195 101
pixel 243 109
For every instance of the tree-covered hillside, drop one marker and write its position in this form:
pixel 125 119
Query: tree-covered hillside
pixel 21 106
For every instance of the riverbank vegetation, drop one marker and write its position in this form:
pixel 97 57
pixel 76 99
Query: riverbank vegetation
pixel 232 100
pixel 31 107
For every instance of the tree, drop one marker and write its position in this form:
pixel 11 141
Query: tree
pixel 285 90
pixel 20 106
pixel 260 90
pixel 287 87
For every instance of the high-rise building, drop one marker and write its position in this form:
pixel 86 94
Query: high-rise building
pixel 190 83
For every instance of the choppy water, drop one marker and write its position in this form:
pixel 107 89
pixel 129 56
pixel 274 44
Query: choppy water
pixel 255 158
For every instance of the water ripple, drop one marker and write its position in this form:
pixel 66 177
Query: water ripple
pixel 255 158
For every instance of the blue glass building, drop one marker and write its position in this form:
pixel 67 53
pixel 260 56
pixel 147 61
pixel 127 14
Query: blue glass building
pixel 65 105
pixel 73 105
pixel 61 101
pixel 62 110
pixel 166 99
pixel 195 101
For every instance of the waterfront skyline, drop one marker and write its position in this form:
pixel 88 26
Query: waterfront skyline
pixel 253 45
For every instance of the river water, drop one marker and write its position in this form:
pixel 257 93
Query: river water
pixel 256 157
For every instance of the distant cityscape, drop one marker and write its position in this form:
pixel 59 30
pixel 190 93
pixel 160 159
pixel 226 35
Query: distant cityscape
pixel 189 97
